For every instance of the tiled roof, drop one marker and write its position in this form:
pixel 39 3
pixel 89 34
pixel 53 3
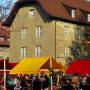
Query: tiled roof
pixel 54 8
pixel 4 44
pixel 57 9
pixel 80 4
pixel 5 33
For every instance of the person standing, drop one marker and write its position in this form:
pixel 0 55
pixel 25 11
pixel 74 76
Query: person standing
pixel 10 83
pixel 37 84
pixel 45 83
pixel 74 84
pixel 23 83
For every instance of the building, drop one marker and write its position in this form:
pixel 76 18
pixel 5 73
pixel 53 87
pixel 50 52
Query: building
pixel 4 42
pixel 42 28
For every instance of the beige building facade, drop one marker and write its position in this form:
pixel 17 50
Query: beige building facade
pixel 32 32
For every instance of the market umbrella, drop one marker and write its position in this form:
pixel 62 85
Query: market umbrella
pixel 79 67
pixel 34 65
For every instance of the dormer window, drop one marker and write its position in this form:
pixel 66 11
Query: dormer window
pixel 73 13
pixel 1 39
pixel 88 17
pixel 88 1
pixel 31 12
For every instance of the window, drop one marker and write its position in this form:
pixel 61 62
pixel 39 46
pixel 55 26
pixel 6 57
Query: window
pixel 66 31
pixel 23 33
pixel 88 1
pixel 38 31
pixel 79 34
pixel 38 51
pixel 67 51
pixel 73 13
pixel 31 12
pixel 8 40
pixel 1 39
pixel 23 52
pixel 88 17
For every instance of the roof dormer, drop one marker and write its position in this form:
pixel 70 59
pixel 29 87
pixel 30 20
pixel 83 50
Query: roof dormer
pixel 73 13
pixel 88 17
pixel 88 1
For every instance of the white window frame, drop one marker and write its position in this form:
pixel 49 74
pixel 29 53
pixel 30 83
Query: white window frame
pixel 73 13
pixel 38 31
pixel 88 17
pixel 1 38
pixel 78 35
pixel 38 51
pixel 66 31
pixel 23 33
pixel 31 12
pixel 23 52
pixel 88 1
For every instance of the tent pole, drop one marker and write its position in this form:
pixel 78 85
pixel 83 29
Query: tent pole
pixel 4 73
pixel 51 83
pixel 51 75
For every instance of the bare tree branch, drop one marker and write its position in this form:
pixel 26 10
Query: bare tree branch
pixel 5 7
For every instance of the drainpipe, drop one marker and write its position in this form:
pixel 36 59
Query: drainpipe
pixel 55 39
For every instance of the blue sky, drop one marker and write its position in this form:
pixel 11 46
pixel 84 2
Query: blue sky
pixel 5 4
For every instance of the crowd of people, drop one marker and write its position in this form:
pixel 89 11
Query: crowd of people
pixel 43 82
pixel 27 82
pixel 76 83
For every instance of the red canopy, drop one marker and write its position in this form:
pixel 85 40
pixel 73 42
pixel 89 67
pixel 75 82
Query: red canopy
pixel 8 64
pixel 80 67
pixel 13 64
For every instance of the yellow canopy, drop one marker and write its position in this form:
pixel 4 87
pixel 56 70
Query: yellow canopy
pixel 33 65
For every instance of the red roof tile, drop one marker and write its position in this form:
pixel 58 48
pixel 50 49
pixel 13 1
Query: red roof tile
pixel 5 33
pixel 55 8
pixel 80 4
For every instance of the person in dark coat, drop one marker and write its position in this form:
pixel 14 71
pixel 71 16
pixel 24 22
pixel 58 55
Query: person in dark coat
pixel 23 83
pixel 45 83
pixel 74 85
pixel 37 84
pixel 87 85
